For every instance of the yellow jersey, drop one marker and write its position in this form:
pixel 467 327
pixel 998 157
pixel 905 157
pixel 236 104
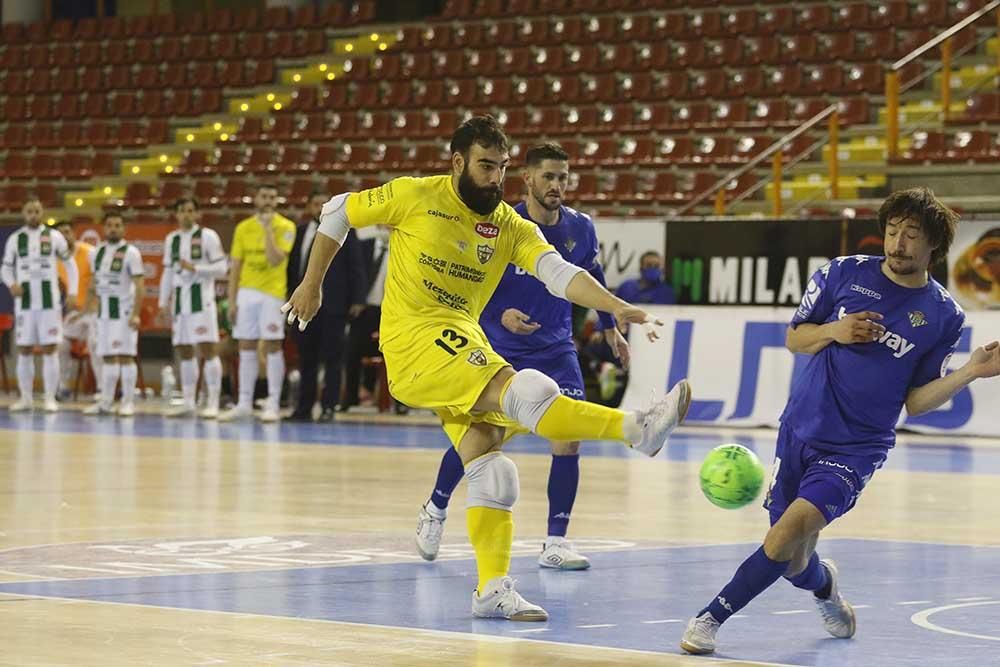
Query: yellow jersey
pixel 445 260
pixel 81 255
pixel 248 247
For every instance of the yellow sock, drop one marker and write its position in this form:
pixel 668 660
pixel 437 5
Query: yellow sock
pixel 567 420
pixel 491 532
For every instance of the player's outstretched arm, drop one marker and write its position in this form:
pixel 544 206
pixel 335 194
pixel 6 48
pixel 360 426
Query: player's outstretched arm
pixel 308 296
pixel 809 338
pixel 583 290
pixel 983 363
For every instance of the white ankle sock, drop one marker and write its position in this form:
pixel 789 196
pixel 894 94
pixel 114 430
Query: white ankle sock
pixel 248 378
pixel 189 381
pixel 213 381
pixel 275 377
pixel 50 375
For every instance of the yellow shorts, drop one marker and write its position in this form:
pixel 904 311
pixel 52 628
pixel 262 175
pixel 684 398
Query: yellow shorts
pixel 445 368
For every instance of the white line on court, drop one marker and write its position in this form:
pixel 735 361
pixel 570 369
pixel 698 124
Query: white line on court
pixel 921 619
pixel 912 602
pixel 598 625
pixel 973 599
pixel 665 620
pixel 790 611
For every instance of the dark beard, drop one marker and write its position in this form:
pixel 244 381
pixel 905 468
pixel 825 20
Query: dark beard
pixel 541 202
pixel 482 200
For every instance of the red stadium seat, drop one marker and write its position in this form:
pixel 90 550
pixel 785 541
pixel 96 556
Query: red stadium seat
pixel 852 16
pixel 206 192
pixel 74 165
pixel 139 194
pixel 890 13
pixel 865 78
pixel 63 55
pixel 16 166
pixel 171 189
pixel 780 20
pixel 235 193
pixel 762 51
pixel 814 18
pixel 40 135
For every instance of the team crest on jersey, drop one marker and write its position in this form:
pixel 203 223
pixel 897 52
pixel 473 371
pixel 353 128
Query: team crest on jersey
pixel 484 253
pixel 917 318
pixel 570 244
pixel 487 230
pixel 477 358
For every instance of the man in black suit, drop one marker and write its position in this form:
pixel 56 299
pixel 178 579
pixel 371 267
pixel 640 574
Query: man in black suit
pixel 344 290
pixel 362 340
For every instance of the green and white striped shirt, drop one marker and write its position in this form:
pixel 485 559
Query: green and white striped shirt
pixel 114 266
pixel 191 291
pixel 29 260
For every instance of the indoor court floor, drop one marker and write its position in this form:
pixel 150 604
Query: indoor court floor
pixel 153 541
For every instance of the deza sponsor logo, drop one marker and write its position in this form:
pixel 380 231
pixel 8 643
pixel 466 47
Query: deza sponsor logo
pixel 487 230
pixel 900 346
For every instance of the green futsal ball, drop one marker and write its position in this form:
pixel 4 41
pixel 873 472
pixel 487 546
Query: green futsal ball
pixel 731 476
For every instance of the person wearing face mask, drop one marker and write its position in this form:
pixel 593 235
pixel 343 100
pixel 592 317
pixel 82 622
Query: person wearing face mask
pixel 650 287
pixel 452 237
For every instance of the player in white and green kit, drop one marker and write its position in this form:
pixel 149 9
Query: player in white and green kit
pixel 193 260
pixel 29 270
pixel 117 284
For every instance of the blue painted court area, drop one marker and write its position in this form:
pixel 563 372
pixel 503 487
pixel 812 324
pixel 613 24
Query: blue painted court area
pixel 948 454
pixel 632 599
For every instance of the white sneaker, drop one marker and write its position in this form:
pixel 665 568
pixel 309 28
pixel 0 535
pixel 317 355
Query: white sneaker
pixel 558 553
pixel 97 409
pixel 236 412
pixel 699 637
pixel 269 414
pixel 126 410
pixel 429 531
pixel 209 413
pixel 180 411
pixel 50 405
pixel 21 405
pixel 838 614
pixel 662 417
pixel 502 601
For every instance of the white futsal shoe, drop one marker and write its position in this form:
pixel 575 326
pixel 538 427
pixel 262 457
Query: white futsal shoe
pixel 50 405
pixel 182 411
pixel 270 414
pixel 126 410
pixel 502 601
pixel 699 637
pixel 838 614
pixel 662 417
pixel 236 412
pixel 97 409
pixel 209 412
pixel 21 405
pixel 558 554
pixel 429 531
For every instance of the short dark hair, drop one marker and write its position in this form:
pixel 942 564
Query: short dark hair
pixel 266 186
pixel 936 220
pixel 113 213
pixel 186 200
pixel 482 130
pixel 546 151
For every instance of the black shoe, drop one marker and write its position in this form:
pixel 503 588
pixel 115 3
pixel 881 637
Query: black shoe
pixel 345 407
pixel 326 416
pixel 299 417
pixel 402 409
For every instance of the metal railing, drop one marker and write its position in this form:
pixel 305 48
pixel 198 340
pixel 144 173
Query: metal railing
pixel 774 151
pixel 892 83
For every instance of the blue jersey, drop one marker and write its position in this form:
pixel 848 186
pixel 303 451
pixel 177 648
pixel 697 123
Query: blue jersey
pixel 849 398
pixel 576 240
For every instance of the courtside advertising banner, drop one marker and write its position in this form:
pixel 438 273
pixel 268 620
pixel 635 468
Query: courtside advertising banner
pixel 748 262
pixel 622 243
pixel 974 265
pixel 741 372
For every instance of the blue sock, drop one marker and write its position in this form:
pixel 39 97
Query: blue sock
pixel 449 475
pixel 564 478
pixel 752 578
pixel 813 578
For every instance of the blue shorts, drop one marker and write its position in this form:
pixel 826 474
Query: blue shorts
pixel 561 364
pixel 832 482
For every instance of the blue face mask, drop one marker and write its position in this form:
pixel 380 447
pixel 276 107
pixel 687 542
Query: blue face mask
pixel 651 275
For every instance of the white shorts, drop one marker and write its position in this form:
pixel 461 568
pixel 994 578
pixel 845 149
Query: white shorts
pixel 38 327
pixel 195 328
pixel 78 326
pixel 116 337
pixel 258 316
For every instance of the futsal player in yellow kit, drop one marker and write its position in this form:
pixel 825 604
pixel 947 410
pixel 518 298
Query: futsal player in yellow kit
pixel 451 239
